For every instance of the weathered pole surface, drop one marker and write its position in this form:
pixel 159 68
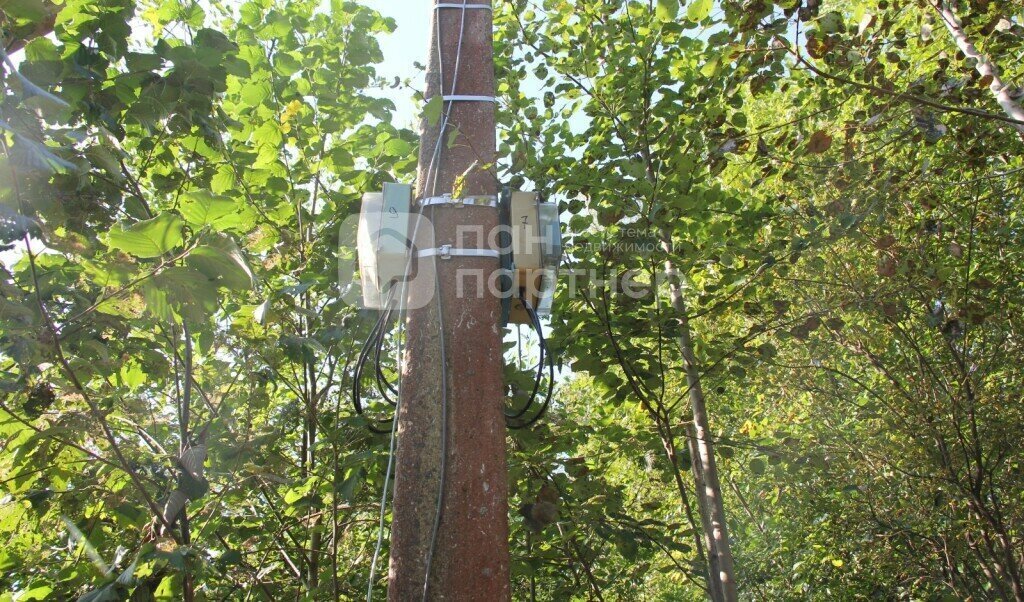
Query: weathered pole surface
pixel 471 559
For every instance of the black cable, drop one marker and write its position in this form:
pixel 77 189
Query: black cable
pixel 373 345
pixel 551 375
pixel 535 320
pixel 540 365
pixel 383 384
pixel 360 363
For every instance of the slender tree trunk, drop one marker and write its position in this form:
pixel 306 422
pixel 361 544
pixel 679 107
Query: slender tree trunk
pixel 705 470
pixel 984 66
pixel 184 434
pixel 315 515
pixel 716 589
pixel 704 544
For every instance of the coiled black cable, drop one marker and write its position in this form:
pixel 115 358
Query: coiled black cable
pixel 373 347
pixel 512 420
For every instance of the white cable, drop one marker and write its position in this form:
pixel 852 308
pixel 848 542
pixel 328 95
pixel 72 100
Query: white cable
pixel 391 460
pixel 436 158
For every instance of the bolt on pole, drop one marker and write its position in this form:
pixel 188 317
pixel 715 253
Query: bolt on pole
pixel 453 362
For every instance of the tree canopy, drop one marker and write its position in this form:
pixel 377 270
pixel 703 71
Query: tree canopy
pixel 819 202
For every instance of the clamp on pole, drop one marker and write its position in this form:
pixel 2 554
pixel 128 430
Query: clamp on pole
pixel 447 252
pixel 483 200
pixel 465 98
pixel 456 5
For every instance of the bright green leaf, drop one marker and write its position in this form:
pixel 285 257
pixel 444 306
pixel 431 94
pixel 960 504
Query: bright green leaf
pixel 698 10
pixel 149 238
pixel 200 208
pixel 432 110
pixel 667 10
pixel 223 262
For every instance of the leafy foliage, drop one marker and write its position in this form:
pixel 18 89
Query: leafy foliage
pixel 818 200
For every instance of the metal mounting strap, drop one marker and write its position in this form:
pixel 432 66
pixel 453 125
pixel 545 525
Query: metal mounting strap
pixel 465 98
pixel 457 5
pixel 482 200
pixel 447 252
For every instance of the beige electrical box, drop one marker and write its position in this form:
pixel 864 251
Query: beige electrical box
pixel 383 242
pixel 525 224
pixel 536 253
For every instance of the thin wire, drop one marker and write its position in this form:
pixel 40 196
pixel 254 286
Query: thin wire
pixel 394 420
pixel 551 369
pixel 444 434
pixel 519 345
pixel 543 352
pixel 436 160
pixel 373 345
pixel 387 479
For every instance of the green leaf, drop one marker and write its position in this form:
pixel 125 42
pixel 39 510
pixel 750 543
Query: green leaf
pixel 699 10
pixel 396 147
pixel 230 558
pixel 269 134
pixel 667 10
pixel 26 10
pixel 201 208
pixel 254 93
pixel 261 312
pixel 223 262
pixel 36 593
pixel 287 64
pixel 830 22
pixel 180 290
pixel 432 111
pixel 223 180
pixel 149 238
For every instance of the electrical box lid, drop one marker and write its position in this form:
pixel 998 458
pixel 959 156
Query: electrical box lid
pixel 383 242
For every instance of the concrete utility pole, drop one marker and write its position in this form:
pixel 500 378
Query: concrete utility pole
pixel 470 559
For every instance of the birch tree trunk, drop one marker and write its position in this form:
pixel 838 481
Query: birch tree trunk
pixel 983 65
pixel 709 487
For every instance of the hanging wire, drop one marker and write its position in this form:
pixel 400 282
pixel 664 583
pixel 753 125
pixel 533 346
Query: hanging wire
pixel 387 477
pixel 394 421
pixel 373 346
pixel 513 415
pixel 434 163
pixel 512 420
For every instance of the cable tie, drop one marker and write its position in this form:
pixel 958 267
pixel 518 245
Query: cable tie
pixel 465 98
pixel 456 5
pixel 447 252
pixel 482 200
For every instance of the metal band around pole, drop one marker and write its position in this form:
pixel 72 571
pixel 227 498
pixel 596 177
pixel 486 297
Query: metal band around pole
pixel 447 252
pixel 465 98
pixel 455 5
pixel 484 200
